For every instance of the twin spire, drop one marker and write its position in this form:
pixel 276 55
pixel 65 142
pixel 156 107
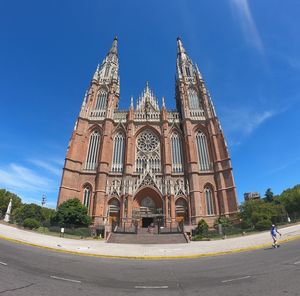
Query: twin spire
pixel 180 48
pixel 109 71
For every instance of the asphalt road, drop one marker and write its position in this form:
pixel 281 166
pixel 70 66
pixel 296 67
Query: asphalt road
pixel 32 271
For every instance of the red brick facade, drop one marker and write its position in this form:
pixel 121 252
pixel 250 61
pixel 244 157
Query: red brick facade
pixel 149 162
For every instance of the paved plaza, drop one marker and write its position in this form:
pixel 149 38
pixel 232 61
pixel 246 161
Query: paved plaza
pixel 192 249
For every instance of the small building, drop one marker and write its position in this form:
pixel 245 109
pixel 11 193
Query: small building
pixel 251 195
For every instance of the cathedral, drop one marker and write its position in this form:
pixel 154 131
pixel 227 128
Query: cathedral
pixel 149 164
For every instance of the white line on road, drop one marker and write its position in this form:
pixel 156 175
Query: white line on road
pixel 237 279
pixel 297 262
pixel 3 263
pixel 64 279
pixel 151 287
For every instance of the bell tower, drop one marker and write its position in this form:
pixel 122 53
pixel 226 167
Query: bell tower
pixel 204 140
pixel 102 97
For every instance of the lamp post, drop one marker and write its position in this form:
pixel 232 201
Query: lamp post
pixel 44 200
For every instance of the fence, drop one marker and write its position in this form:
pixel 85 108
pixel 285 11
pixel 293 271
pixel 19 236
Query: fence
pixel 155 229
pixel 76 231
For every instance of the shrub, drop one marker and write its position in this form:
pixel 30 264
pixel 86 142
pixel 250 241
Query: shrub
pixel 202 227
pixel 263 224
pixel 31 223
pixel 225 221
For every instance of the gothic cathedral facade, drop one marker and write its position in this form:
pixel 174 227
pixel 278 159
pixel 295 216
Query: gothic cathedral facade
pixel 148 162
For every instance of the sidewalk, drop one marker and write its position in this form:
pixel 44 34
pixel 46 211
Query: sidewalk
pixel 167 251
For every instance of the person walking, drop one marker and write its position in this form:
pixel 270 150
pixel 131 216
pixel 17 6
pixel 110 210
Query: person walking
pixel 274 233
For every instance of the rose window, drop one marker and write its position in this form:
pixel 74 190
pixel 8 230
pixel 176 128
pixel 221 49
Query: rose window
pixel 147 142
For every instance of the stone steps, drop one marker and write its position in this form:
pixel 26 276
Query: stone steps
pixel 147 238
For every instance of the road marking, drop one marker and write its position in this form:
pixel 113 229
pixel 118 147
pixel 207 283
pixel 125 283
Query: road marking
pixel 237 279
pixel 64 279
pixel 3 263
pixel 297 262
pixel 151 287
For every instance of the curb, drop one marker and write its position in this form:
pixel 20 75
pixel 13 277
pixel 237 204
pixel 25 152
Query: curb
pixel 195 256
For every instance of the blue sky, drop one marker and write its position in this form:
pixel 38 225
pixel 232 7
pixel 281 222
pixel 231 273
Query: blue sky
pixel 247 51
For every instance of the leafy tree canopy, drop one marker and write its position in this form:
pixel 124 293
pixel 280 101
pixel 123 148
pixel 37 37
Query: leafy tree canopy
pixel 72 212
pixel 269 195
pixel 253 212
pixel 33 211
pixel 290 198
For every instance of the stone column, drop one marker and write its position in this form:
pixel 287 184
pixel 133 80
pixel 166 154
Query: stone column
pixel 166 209
pixel 189 210
pixel 129 209
pixel 173 210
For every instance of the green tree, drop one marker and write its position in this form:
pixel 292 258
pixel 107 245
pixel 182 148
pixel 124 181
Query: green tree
pixel 290 198
pixel 46 216
pixel 269 195
pixel 202 227
pixel 72 213
pixel 27 211
pixel 5 197
pixel 252 212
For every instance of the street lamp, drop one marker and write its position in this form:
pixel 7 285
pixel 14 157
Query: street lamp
pixel 44 199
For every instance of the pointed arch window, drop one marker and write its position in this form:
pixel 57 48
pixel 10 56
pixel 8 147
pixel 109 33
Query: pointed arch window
pixel 119 152
pixel 101 100
pixel 203 156
pixel 93 151
pixel 209 201
pixel 87 196
pixel 107 68
pixel 177 162
pixel 193 99
pixel 188 72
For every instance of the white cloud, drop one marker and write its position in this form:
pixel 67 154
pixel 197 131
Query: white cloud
pixel 241 122
pixel 283 166
pixel 242 11
pixel 47 166
pixel 17 177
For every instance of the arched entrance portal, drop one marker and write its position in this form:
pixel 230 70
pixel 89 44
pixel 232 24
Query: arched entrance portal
pixel 181 210
pixel 148 207
pixel 113 210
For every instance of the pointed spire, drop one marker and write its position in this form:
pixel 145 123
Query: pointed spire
pixel 114 47
pixel 147 87
pixel 198 72
pixel 84 99
pixel 180 48
pixel 163 102
pixel 182 59
pixel 96 74
pixel 181 53
pixel 109 68
pixel 131 102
